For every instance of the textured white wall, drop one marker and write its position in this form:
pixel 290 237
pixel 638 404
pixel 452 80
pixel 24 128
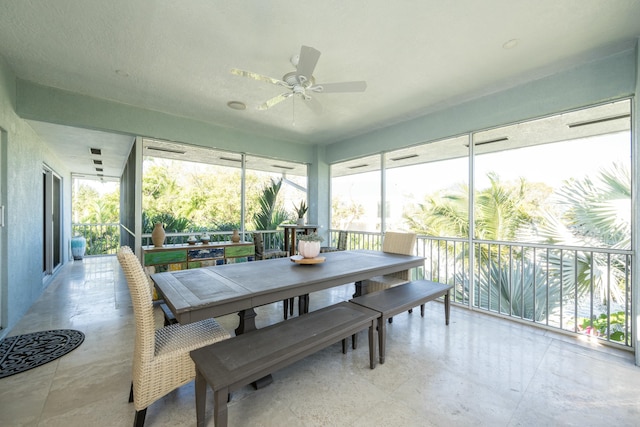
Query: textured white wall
pixel 21 277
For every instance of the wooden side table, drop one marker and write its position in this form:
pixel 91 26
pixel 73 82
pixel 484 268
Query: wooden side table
pixel 290 231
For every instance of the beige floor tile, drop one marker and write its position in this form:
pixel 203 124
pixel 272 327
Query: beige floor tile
pixel 478 371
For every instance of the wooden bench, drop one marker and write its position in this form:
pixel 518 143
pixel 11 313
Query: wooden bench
pixel 392 301
pixel 236 362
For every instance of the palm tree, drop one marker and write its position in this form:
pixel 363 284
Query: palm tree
pixel 595 213
pixel 271 214
pixel 501 212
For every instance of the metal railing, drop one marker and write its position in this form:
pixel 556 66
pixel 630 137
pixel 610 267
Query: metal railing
pixel 102 239
pixel 576 290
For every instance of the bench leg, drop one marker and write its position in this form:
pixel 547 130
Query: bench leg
pixel 354 341
pixel 285 306
pixel 372 346
pixel 344 346
pixel 382 338
pixel 421 310
pixel 201 398
pixel 220 416
pixel 446 308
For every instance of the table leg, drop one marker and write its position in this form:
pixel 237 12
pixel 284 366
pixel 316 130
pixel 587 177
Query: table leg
pixel 360 289
pixel 248 324
pixel 247 321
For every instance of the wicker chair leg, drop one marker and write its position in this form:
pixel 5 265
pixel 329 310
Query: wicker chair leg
pixel 131 393
pixel 138 421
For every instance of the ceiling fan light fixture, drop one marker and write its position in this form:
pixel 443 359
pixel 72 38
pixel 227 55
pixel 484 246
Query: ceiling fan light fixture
pixel 510 44
pixel 299 81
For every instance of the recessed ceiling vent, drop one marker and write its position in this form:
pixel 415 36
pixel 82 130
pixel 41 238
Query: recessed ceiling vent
pixel 409 156
pixel 166 150
pixel 96 151
pixel 596 121
pixel 230 159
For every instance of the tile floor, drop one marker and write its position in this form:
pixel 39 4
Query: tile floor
pixel 478 371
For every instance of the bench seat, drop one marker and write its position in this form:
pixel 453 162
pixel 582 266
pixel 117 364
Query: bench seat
pixel 253 355
pixel 392 301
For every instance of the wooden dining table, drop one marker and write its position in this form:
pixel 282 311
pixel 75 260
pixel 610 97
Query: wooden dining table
pixel 202 293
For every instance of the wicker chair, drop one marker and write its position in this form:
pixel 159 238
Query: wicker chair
pixel 395 243
pixel 161 360
pixel 261 253
pixel 342 243
pixel 169 318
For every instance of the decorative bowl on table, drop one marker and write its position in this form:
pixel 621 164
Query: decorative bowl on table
pixel 308 249
pixel 309 245
pixel 299 259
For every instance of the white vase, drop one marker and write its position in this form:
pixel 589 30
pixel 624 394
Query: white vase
pixel 308 249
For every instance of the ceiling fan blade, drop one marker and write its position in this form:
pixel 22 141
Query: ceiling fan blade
pixel 257 76
pixel 275 100
pixel 307 62
pixel 313 104
pixel 339 87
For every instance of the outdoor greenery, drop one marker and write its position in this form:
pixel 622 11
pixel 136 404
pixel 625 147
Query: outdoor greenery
pixel 311 237
pixel 271 213
pixel 592 212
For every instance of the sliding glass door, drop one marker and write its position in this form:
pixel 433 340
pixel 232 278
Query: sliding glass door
pixel 51 221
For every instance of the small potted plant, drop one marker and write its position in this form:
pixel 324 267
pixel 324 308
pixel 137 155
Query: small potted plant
pixel 301 210
pixel 309 245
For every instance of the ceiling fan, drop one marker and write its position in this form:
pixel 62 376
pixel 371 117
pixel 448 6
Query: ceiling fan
pixel 301 82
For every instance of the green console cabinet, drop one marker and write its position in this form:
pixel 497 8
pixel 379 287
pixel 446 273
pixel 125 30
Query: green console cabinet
pixel 181 257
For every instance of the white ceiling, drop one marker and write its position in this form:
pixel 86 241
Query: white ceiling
pixel 416 56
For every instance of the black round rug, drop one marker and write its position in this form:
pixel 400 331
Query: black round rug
pixel 23 352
